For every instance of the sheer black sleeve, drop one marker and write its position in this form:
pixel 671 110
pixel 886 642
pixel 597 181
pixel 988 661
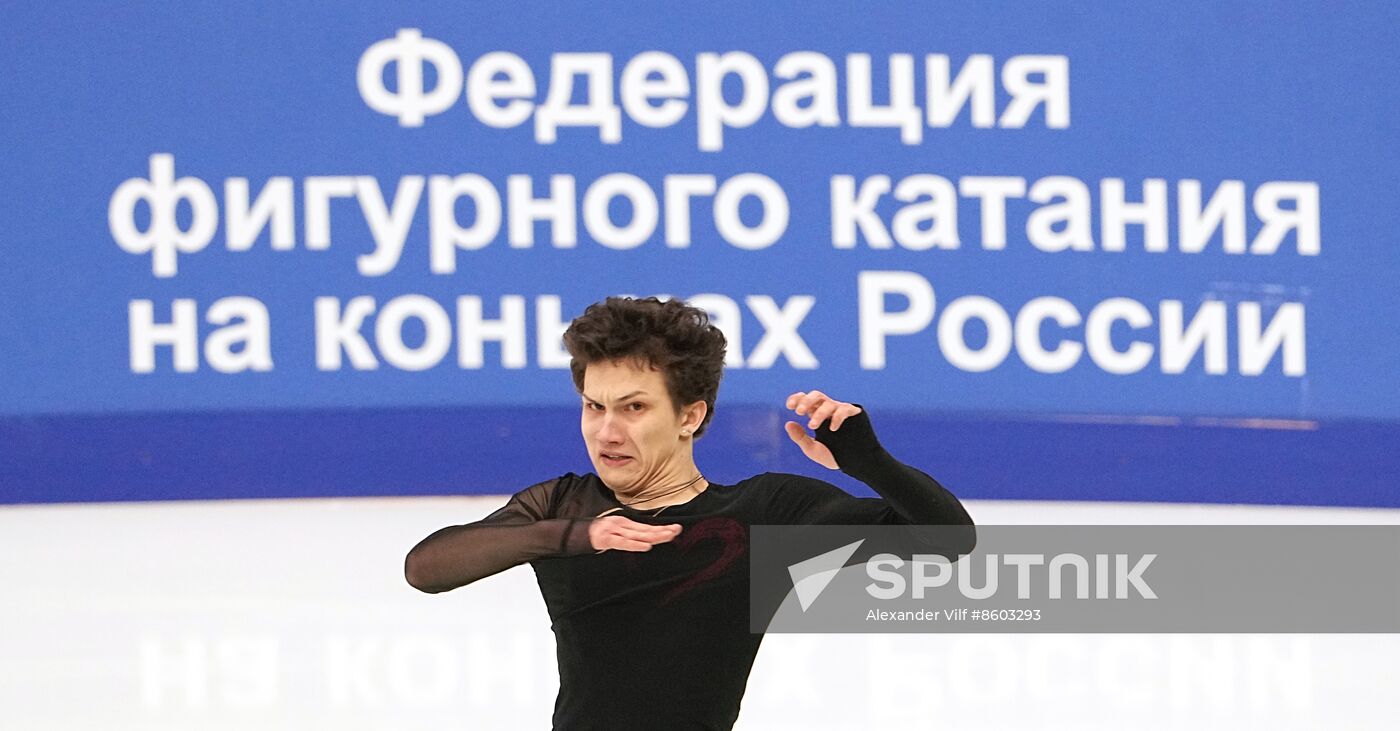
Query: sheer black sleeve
pixel 521 531
pixel 907 495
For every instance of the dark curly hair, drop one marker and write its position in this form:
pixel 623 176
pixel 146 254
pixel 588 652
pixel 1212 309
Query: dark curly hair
pixel 671 336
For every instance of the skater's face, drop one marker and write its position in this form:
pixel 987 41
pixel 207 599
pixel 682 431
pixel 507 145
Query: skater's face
pixel 635 435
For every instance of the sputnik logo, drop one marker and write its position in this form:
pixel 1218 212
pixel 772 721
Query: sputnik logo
pixel 810 577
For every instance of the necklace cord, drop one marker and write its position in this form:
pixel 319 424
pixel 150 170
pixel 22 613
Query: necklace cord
pixel 664 494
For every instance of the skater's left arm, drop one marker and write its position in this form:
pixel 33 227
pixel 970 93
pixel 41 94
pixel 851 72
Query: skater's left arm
pixel 845 440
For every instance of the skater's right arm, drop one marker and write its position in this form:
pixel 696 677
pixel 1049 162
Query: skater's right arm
pixel 520 532
pixel 516 533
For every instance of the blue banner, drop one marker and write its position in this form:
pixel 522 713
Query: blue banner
pixel 221 216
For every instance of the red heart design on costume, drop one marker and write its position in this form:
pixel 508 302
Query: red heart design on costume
pixel 732 534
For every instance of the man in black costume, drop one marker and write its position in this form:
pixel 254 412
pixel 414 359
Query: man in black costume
pixel 643 563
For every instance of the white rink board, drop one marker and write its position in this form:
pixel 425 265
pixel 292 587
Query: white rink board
pixel 294 615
